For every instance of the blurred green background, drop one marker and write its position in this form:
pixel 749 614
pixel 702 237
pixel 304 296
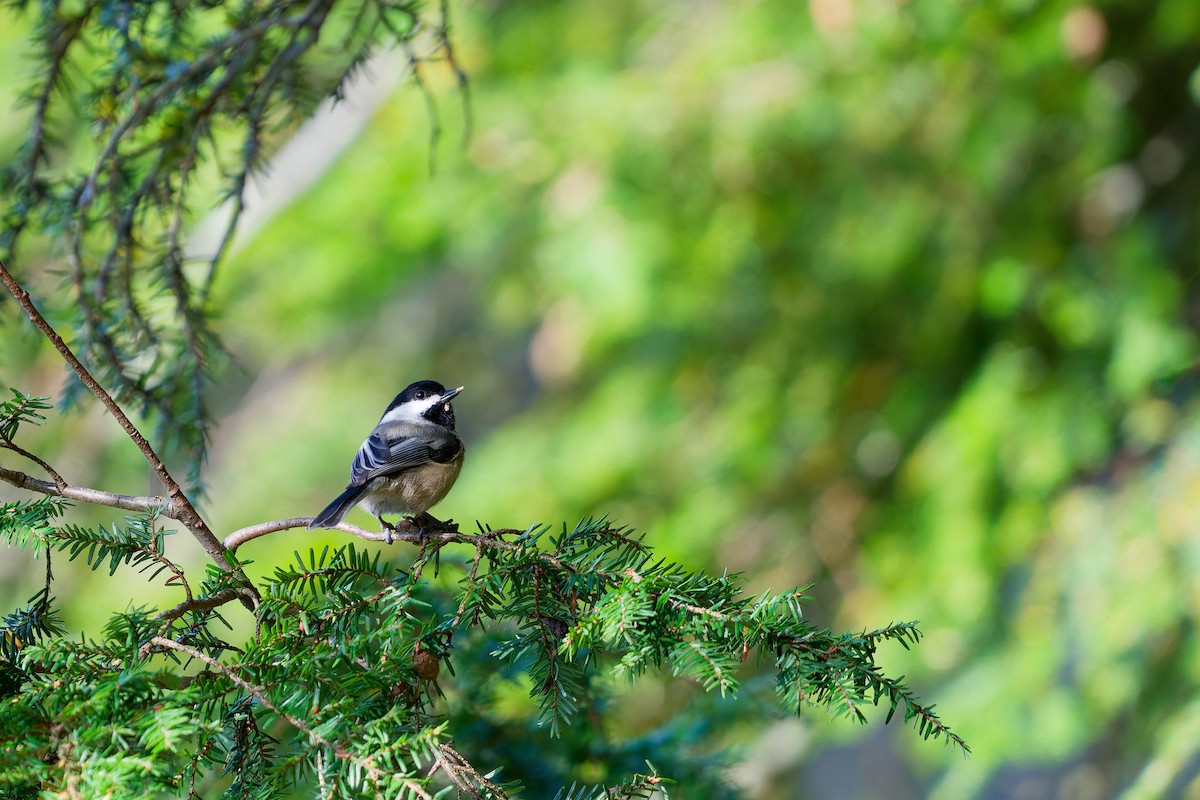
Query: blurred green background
pixel 897 298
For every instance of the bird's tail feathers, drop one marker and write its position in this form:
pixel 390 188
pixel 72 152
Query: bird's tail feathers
pixel 333 513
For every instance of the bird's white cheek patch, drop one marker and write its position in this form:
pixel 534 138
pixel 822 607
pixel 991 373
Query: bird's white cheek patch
pixel 413 409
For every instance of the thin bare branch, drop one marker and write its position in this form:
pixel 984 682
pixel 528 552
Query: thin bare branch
pixel 146 505
pixel 49 470
pixel 239 537
pixel 405 532
pixel 215 600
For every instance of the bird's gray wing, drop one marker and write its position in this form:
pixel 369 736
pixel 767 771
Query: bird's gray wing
pixel 383 454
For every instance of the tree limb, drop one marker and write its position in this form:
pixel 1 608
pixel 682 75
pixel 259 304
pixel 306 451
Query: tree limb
pixel 182 508
pixel 405 532
pixel 239 537
pixel 146 505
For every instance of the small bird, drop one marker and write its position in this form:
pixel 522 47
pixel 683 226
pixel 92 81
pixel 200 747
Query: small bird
pixel 407 464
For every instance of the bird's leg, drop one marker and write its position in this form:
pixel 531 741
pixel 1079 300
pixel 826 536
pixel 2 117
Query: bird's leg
pixel 388 528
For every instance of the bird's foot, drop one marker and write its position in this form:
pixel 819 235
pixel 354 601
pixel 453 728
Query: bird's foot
pixel 426 524
pixel 449 526
pixel 388 529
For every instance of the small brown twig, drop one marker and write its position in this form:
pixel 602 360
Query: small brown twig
pixel 214 600
pixel 454 764
pixel 49 470
pixel 462 606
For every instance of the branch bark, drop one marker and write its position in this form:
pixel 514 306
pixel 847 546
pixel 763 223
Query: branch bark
pixel 145 505
pixel 199 604
pixel 239 537
pixel 405 532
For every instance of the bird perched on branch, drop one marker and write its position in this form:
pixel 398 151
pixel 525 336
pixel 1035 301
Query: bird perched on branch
pixel 407 464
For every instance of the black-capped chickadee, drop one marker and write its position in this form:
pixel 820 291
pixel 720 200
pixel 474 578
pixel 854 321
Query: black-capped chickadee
pixel 407 464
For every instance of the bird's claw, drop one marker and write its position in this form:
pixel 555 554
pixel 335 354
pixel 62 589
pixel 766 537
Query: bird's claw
pixel 427 524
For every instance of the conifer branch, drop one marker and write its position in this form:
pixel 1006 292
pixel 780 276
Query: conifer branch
pixel 405 532
pixel 180 506
pixel 258 692
pixel 25 409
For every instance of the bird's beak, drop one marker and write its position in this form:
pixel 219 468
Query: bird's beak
pixel 450 395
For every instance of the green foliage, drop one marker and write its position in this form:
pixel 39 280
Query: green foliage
pixel 336 688
pixel 21 410
pixel 24 627
pixel 139 543
pixel 29 523
pixel 93 715
pixel 604 592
